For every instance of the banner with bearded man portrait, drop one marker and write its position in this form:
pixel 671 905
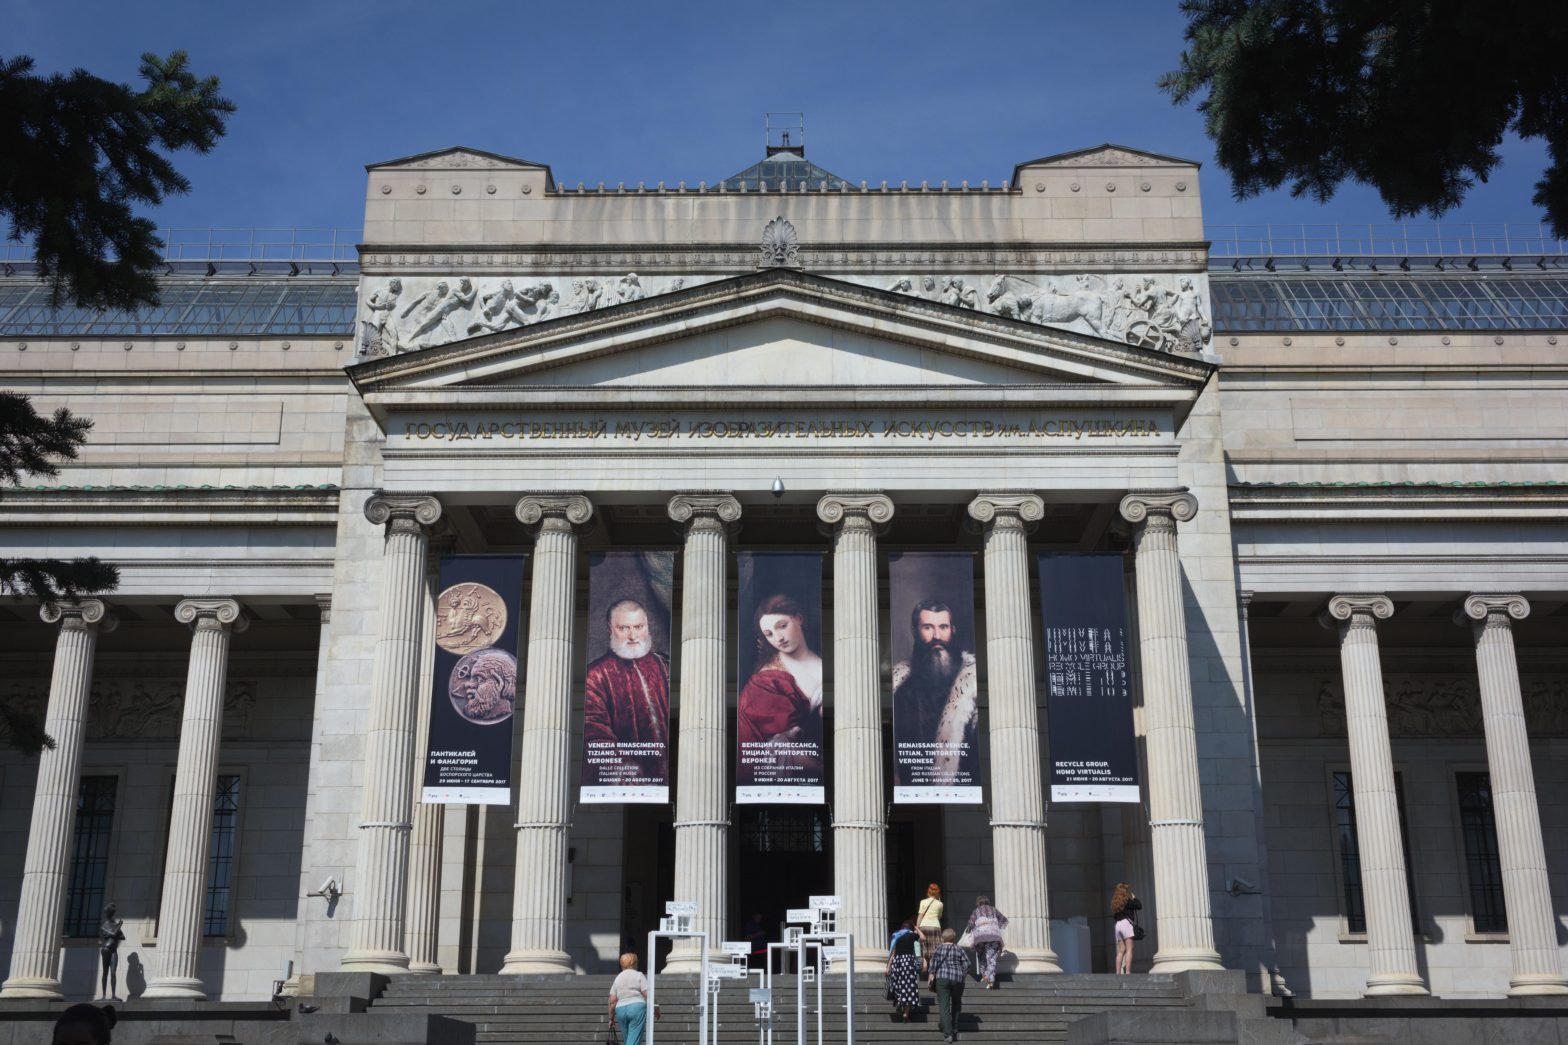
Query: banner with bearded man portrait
pixel 936 680
pixel 626 693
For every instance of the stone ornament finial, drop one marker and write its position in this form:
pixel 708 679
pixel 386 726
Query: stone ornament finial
pixel 1028 507
pixel 386 508
pixel 225 613
pixel 533 508
pixel 834 507
pixel 1343 608
pixel 780 244
pixel 684 508
pixel 1477 608
pixel 1179 504
pixel 82 611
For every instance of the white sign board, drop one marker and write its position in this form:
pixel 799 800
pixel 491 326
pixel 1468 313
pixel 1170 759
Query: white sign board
pixel 825 903
pixel 740 947
pixel 800 914
pixel 726 971
pixel 678 907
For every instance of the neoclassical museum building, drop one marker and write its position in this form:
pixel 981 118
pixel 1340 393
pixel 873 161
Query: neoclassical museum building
pixel 1077 546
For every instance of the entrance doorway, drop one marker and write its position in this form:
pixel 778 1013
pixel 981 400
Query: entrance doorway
pixel 785 858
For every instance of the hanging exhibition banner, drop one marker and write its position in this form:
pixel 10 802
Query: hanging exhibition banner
pixel 780 755
pixel 478 609
pixel 936 685
pixel 1094 755
pixel 626 699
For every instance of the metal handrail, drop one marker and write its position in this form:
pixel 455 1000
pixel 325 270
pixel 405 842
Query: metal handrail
pixel 1395 239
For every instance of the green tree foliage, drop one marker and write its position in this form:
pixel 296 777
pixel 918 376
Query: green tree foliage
pixel 1412 97
pixel 77 152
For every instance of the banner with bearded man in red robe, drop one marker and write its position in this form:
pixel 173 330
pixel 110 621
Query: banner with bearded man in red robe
pixel 626 696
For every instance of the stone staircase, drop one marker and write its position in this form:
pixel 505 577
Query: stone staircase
pixel 511 1010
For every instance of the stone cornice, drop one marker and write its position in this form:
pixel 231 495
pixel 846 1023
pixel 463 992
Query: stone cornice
pixel 174 507
pixel 1424 502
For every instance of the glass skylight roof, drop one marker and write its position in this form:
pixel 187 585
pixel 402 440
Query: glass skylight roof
pixel 253 305
pixel 785 170
pixel 1245 303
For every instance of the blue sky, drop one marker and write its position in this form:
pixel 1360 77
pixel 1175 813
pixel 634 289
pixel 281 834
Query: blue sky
pixel 606 91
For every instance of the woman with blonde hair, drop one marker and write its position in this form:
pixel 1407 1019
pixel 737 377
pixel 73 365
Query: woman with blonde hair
pixel 1124 910
pixel 928 921
pixel 629 1000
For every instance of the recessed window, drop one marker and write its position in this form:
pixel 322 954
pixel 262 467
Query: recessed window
pixel 90 854
pixel 1483 867
pixel 1350 852
pixel 220 856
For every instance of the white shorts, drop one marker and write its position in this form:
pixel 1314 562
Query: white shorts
pixel 1123 929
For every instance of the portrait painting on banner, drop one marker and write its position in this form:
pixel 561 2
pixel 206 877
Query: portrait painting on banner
pixel 936 681
pixel 779 734
pixel 626 694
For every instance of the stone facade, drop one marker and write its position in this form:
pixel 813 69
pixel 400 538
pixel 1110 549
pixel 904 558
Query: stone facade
pixel 1035 365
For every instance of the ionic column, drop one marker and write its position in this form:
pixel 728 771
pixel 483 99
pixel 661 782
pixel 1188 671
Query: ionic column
pixel 1527 893
pixel 1017 791
pixel 380 896
pixel 1181 870
pixel 213 622
pixel 1390 940
pixel 701 826
pixel 544 768
pixel 35 951
pixel 429 818
pixel 859 820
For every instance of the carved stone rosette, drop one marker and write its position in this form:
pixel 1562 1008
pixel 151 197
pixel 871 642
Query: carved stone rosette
pixel 35 950
pixel 859 824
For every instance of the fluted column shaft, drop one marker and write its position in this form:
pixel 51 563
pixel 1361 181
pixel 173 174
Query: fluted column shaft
pixel 381 897
pixel 1527 893
pixel 1390 939
pixel 1017 789
pixel 212 623
pixel 859 820
pixel 429 818
pixel 544 770
pixel 701 826
pixel 35 950
pixel 1181 873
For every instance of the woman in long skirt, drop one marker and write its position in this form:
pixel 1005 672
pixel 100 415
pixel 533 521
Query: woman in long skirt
pixel 903 969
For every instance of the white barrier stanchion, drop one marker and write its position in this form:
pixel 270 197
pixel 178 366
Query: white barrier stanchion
pixel 676 925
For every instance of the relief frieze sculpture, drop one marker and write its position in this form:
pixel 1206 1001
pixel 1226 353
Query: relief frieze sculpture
pixel 140 709
pixel 1165 313
pixel 1427 706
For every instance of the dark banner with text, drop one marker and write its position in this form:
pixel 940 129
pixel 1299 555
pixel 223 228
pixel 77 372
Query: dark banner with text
pixel 936 682
pixel 1094 755
pixel 780 756
pixel 626 698
pixel 478 610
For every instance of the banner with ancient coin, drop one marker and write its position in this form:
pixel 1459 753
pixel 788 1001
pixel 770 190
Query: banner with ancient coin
pixel 936 682
pixel 478 611
pixel 1094 755
pixel 778 715
pixel 626 696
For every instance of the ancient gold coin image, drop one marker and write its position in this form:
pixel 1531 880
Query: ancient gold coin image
pixel 484 686
pixel 469 617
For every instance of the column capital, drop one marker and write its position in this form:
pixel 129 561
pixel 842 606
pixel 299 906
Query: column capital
pixel 551 510
pixel 1343 608
pixel 79 613
pixel 324 604
pixel 697 508
pixel 837 510
pixel 1483 607
pixel 402 512
pixel 212 613
pixel 1004 508
pixel 1139 505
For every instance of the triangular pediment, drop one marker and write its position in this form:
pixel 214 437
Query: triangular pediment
pixel 1107 155
pixel 457 157
pixel 783 335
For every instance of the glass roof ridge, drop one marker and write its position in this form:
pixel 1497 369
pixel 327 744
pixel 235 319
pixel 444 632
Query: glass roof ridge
pixel 784 168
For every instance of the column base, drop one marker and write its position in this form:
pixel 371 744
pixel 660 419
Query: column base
pixel 1170 960
pixel 182 987
pixel 1528 984
pixel 33 987
pixel 1035 960
pixel 424 968
pixel 685 959
pixel 1385 986
pixel 536 963
pixel 387 963
pixel 871 959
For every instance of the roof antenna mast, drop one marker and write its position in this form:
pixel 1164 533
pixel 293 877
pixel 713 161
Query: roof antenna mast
pixel 785 132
